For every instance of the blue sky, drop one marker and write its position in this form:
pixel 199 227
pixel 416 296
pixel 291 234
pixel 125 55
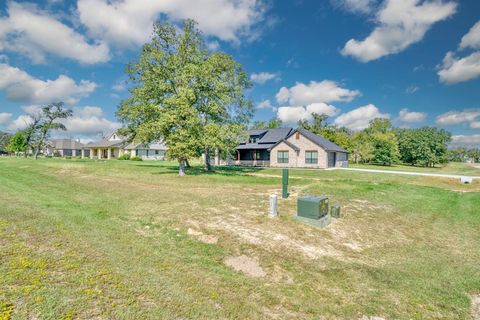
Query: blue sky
pixel 415 62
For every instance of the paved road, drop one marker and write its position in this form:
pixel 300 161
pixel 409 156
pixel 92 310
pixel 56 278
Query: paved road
pixel 441 175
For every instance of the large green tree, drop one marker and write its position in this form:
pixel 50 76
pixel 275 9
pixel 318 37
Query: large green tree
pixel 424 146
pixel 186 96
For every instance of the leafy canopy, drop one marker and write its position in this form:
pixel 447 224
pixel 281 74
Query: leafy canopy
pixel 190 98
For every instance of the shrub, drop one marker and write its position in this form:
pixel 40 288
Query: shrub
pixel 136 159
pixel 124 156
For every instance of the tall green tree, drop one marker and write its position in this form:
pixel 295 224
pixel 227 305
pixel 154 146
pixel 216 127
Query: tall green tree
pixel 361 147
pixel 51 113
pixel 17 143
pixel 384 142
pixel 426 146
pixel 182 94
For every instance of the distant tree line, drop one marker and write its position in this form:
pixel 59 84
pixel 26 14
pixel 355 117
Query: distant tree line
pixel 380 143
pixel 462 154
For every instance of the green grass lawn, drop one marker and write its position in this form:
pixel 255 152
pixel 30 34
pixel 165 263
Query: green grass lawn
pixel 82 239
pixel 450 168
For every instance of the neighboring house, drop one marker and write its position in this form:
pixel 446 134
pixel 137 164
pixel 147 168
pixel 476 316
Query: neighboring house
pixel 115 145
pixel 287 147
pixel 63 148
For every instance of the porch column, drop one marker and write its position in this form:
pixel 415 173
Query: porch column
pixel 109 153
pixel 74 152
pixel 91 153
pixel 99 153
pixel 217 158
pixel 254 157
pixel 83 153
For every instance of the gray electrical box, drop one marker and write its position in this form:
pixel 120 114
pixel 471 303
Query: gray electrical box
pixel 335 211
pixel 312 207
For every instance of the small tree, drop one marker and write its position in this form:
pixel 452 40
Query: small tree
pixel 17 143
pixel 50 113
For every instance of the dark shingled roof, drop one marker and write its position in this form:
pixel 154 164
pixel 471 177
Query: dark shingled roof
pixel 275 135
pixel 65 144
pixel 256 132
pixel 269 138
pixel 321 141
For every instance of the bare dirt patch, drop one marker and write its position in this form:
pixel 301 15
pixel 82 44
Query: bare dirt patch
pixel 475 306
pixel 247 265
pixel 206 238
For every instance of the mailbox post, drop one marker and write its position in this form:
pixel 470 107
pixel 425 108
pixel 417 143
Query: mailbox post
pixel 285 183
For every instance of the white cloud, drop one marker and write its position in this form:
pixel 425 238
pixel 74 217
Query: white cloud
pixel 213 45
pixel 358 119
pixel 355 6
pixel 293 114
pixel 86 122
pixel 5 117
pixel 265 104
pixel 412 89
pixel 119 86
pixel 400 23
pixel 89 121
pixel 35 33
pixel 263 77
pixel 21 122
pixel 458 117
pixel 472 38
pixel 283 95
pixel 129 22
pixel 407 116
pixel 314 92
pixel 467 141
pixel 454 70
pixel 21 86
pixel 475 124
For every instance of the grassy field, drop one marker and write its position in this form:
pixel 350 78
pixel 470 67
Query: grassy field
pixel 450 168
pixel 82 239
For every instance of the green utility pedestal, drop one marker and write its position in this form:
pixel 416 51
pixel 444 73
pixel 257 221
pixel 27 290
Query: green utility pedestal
pixel 285 183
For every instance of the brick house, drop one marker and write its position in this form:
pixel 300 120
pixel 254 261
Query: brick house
pixel 287 147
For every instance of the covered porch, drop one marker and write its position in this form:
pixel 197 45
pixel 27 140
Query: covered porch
pixel 103 153
pixel 253 157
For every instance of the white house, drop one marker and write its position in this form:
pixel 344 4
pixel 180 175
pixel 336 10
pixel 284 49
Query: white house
pixel 115 145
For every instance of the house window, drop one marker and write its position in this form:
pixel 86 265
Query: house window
pixel 297 135
pixel 282 156
pixel 157 152
pixel 311 157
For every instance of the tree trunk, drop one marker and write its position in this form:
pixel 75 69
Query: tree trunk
pixel 181 168
pixel 187 164
pixel 208 167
